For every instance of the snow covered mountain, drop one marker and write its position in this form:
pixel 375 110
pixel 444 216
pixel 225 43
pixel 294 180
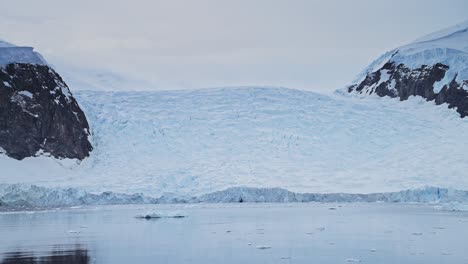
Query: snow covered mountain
pixel 202 141
pixel 196 142
pixel 38 114
pixel 434 67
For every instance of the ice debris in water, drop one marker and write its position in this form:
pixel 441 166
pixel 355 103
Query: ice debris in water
pixel 353 260
pixel 263 247
pixel 455 206
pixel 157 215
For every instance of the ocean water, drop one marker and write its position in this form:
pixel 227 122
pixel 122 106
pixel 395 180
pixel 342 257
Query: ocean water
pixel 237 233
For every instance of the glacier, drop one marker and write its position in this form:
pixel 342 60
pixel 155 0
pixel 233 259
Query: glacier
pixel 15 197
pixel 192 143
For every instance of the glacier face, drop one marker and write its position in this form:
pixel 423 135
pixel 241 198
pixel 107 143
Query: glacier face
pixel 203 141
pixel 28 197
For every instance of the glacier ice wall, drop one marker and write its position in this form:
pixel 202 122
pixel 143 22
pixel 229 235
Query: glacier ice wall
pixel 18 196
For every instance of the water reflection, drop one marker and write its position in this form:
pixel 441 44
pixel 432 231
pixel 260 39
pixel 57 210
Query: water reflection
pixel 75 256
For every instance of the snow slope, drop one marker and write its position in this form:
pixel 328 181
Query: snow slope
pixel 448 46
pixel 89 78
pixel 4 44
pixel 202 141
pixel 10 53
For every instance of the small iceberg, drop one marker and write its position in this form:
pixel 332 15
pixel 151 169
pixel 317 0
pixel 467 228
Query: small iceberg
pixel 263 247
pixel 158 215
pixel 353 260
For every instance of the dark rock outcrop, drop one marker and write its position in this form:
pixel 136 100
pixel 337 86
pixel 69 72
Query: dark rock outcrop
pixel 39 114
pixel 402 82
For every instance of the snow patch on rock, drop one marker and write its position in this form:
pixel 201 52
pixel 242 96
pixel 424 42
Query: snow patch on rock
pixel 26 94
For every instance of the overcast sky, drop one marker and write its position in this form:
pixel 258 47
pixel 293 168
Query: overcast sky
pixel 305 44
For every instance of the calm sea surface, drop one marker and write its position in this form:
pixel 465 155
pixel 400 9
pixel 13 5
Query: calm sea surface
pixel 237 233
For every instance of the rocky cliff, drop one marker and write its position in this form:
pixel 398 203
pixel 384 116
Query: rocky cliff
pixel 401 82
pixel 39 115
pixel 434 67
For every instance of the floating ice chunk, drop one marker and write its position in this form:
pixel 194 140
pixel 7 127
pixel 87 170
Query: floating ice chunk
pixel 157 215
pixel 417 234
pixel 73 232
pixel 455 206
pixel 373 250
pixel 263 247
pixel 353 260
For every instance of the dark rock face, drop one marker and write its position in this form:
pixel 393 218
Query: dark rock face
pixel 402 82
pixel 38 113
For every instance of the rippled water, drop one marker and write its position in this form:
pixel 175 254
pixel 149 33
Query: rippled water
pixel 237 233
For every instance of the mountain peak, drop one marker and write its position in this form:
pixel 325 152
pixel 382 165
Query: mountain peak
pixel 444 33
pixel 434 67
pixel 39 115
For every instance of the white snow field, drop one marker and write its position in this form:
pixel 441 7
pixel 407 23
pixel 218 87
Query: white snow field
pixel 448 46
pixel 10 53
pixel 202 141
pixel 88 78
